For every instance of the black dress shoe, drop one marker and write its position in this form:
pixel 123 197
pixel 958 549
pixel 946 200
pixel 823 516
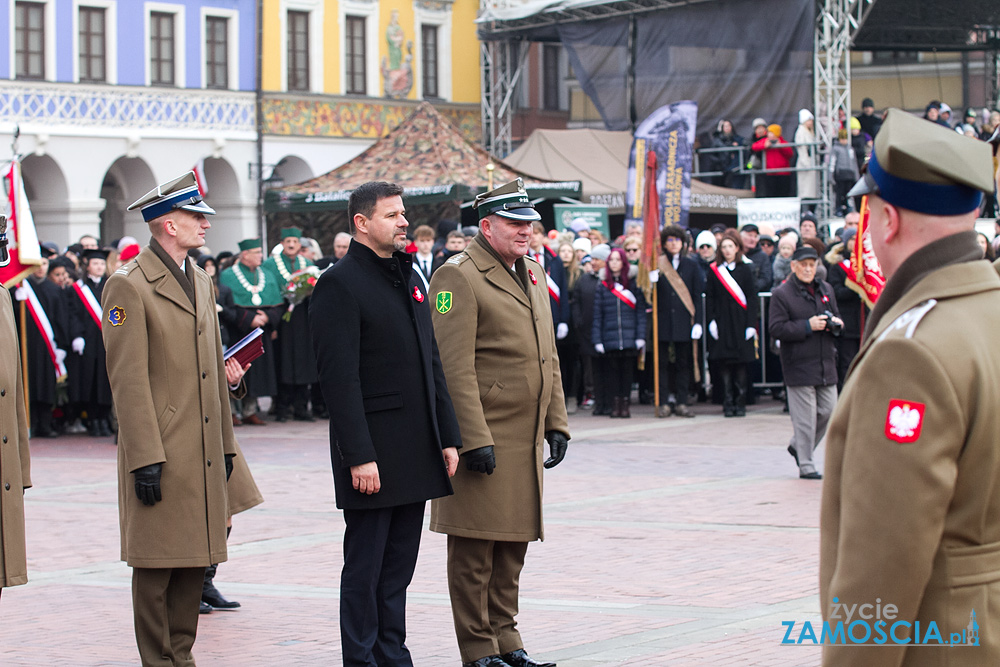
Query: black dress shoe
pixel 205 608
pixel 304 417
pixel 810 475
pixel 488 661
pixel 795 454
pixel 519 658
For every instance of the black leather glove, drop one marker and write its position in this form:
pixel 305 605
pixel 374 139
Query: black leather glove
pixel 147 483
pixel 481 460
pixel 557 448
pixel 229 466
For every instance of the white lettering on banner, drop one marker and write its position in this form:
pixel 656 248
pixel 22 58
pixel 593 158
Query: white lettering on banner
pixel 780 212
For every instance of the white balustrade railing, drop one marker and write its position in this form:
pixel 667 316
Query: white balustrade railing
pixel 126 107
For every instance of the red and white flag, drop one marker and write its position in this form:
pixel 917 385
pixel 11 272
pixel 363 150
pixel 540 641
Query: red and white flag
pixel 25 253
pixel 199 176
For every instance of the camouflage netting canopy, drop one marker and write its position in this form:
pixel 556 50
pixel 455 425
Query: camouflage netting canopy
pixel 427 156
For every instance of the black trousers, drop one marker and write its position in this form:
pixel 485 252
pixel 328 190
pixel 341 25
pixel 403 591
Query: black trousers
pixel 568 350
pixel 602 392
pixel 620 369
pixel 676 370
pixel 847 349
pixel 380 553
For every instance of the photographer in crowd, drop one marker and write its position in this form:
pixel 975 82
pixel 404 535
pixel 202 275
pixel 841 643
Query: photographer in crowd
pixel 804 318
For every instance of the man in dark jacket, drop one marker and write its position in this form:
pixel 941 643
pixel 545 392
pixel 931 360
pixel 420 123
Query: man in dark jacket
pixel 801 321
pixel 750 235
pixel 583 319
pixel 848 301
pixel 555 279
pixel 680 313
pixel 393 431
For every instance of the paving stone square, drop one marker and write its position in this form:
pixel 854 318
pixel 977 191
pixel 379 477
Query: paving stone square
pixel 668 542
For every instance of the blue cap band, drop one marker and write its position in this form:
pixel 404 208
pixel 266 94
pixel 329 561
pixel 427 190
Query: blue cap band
pixel 926 198
pixel 166 205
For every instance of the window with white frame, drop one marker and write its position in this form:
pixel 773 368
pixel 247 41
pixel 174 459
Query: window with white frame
pixel 358 21
pixel 216 52
pixel 162 63
pixel 95 41
pixel 433 41
pixel 92 44
pixel 355 51
pixel 297 57
pixel 301 45
pixel 29 40
pixel 429 60
pixel 165 43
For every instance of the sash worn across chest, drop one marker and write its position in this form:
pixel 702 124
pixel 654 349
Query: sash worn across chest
pixel 727 280
pixel 41 319
pixel 90 302
pixel 624 295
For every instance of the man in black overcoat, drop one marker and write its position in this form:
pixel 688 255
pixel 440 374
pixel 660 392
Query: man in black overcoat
pixel 393 432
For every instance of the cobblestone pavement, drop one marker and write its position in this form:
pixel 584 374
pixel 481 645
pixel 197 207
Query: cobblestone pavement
pixel 668 542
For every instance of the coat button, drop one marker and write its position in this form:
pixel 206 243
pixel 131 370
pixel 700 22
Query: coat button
pixel 204 375
pixel 5 440
pixel 396 283
pixel 3 392
pixel 206 420
pixel 210 463
pixel 7 486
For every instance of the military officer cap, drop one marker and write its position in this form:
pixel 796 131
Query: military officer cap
pixel 95 253
pixel 182 193
pixel 290 232
pixel 925 167
pixel 249 244
pixel 508 201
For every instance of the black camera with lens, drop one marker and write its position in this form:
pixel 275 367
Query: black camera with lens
pixel 833 327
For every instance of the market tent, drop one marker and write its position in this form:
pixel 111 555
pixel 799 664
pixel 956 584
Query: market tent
pixel 599 160
pixel 427 156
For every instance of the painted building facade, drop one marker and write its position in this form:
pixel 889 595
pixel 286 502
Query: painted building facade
pixel 112 97
pixel 339 74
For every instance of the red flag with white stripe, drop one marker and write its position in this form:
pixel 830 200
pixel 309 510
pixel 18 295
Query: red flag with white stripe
pixel 25 253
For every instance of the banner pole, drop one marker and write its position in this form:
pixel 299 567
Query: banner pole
pixel 24 362
pixel 656 353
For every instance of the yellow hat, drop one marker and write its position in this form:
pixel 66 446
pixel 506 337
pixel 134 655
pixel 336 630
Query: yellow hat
pixel 774 129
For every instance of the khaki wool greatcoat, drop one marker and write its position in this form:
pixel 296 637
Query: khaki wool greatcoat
pixel 911 500
pixel 15 473
pixel 170 390
pixel 499 355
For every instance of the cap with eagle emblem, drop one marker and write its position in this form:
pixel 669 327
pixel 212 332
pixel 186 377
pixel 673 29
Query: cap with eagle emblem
pixel 508 201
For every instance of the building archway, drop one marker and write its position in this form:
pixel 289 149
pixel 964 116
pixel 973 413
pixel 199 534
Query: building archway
pixel 222 192
pixel 292 169
pixel 127 179
pixel 48 196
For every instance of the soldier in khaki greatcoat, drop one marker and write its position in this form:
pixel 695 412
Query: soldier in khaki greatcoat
pixel 176 444
pixel 495 331
pixel 15 473
pixel 911 501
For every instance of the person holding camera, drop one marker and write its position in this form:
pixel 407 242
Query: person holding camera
pixel 805 321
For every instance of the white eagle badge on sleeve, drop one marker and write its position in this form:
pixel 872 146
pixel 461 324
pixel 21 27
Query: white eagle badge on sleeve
pixel 904 420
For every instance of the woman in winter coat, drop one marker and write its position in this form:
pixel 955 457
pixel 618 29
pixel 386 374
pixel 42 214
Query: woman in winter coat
pixel 732 310
pixel 777 155
pixel 619 328
pixel 808 181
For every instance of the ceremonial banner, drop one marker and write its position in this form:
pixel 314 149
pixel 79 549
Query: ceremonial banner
pixel 670 132
pixel 865 276
pixel 25 253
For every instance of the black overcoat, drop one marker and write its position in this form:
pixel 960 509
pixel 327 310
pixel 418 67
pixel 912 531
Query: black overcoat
pixel 88 373
pixel 382 379
pixel 41 370
pixel 675 321
pixel 731 318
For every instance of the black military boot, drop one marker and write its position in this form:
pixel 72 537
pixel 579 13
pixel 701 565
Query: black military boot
pixel 211 595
